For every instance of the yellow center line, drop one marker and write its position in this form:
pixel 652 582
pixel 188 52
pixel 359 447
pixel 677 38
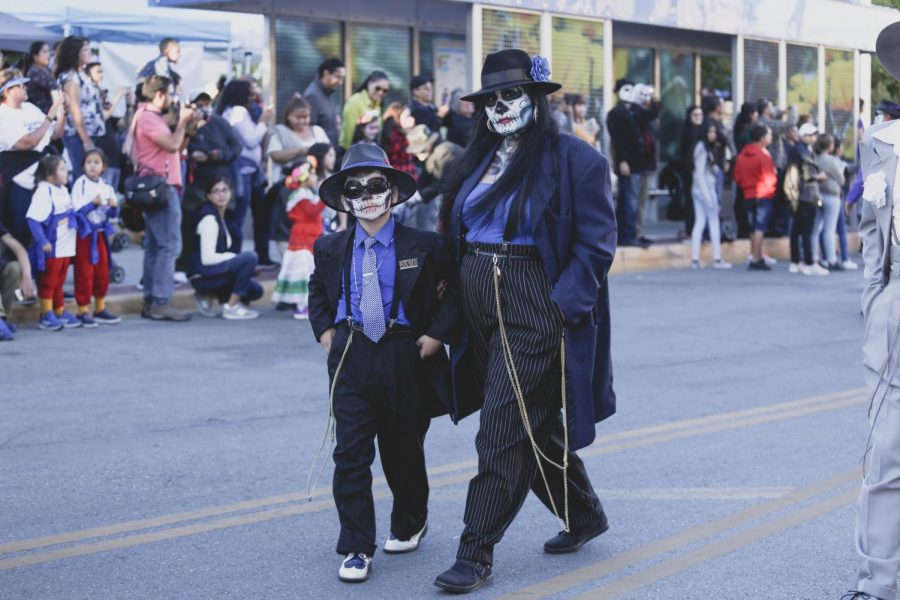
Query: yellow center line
pixel 717 549
pixel 690 536
pixel 718 422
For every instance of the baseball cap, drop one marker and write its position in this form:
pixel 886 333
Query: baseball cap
pixel 808 129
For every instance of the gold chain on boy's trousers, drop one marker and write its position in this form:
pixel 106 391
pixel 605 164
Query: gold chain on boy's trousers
pixel 523 411
pixel 329 427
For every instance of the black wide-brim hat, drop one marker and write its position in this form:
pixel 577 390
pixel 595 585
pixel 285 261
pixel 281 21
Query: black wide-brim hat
pixel 514 68
pixel 365 157
pixel 887 48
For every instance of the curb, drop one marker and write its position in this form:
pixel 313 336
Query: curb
pixel 658 257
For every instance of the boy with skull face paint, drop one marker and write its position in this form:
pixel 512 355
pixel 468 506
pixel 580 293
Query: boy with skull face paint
pixel 374 306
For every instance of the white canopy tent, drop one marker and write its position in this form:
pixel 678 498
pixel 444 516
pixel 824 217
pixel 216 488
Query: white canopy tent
pixel 17 35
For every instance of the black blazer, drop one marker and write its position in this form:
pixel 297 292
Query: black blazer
pixel 416 287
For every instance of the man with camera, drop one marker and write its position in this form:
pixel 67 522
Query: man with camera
pixel 156 150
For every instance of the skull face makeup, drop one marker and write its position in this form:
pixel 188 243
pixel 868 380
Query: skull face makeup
pixel 627 93
pixel 643 94
pixel 509 111
pixel 368 195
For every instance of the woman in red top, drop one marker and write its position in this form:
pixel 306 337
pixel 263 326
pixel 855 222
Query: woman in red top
pixel 304 209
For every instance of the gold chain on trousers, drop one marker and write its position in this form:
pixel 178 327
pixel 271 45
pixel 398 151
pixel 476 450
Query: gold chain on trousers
pixel 523 411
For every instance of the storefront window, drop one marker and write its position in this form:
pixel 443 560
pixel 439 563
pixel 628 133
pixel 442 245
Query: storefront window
pixel 577 61
pixel 635 64
pixel 676 91
pixel 302 46
pixel 382 48
pixel 840 75
pixel 502 29
pixel 444 56
pixel 803 80
pixel 760 71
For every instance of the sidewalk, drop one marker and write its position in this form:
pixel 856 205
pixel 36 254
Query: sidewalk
pixel 667 252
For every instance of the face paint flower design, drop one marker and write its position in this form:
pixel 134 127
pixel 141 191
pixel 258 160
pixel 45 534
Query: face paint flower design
pixel 509 110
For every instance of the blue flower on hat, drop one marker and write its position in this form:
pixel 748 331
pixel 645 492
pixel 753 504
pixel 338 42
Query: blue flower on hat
pixel 540 68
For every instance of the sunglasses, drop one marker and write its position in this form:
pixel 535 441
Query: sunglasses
pixel 506 95
pixel 376 187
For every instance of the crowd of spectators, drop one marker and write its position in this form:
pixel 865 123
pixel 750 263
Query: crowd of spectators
pixel 226 159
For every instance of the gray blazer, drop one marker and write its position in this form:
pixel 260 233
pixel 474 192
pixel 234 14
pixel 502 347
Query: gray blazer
pixel 875 223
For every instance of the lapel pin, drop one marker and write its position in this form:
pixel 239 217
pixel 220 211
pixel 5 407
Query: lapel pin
pixel 410 263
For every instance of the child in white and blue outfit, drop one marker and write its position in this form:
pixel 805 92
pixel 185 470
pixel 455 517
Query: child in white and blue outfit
pixel 95 202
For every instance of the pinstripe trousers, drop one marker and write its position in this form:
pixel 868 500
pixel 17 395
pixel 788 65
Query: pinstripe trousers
pixel 507 468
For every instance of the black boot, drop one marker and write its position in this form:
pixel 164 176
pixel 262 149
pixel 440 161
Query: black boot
pixel 464 576
pixel 570 541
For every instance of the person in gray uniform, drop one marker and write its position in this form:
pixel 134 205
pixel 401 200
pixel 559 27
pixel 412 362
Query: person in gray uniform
pixel 878 507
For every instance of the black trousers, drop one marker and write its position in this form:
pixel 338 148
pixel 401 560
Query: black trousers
pixel 379 394
pixel 507 468
pixel 801 232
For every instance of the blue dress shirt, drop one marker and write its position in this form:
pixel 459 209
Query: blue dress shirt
pixel 386 260
pixel 489 228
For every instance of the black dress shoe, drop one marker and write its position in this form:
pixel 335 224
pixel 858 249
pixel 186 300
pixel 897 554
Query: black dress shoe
pixel 464 576
pixel 570 541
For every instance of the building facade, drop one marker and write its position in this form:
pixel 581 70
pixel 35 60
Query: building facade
pixel 813 55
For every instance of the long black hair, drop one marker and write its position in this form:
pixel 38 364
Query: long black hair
pixel 373 76
pixel 524 167
pixel 34 49
pixel 235 93
pixel 67 54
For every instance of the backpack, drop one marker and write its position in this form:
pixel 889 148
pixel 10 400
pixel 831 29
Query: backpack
pixel 792 185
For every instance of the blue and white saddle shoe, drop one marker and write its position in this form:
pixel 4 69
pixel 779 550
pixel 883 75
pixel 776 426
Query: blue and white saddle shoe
pixel 355 568
pixel 395 546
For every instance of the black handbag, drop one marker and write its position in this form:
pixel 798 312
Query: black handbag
pixel 143 192
pixel 146 192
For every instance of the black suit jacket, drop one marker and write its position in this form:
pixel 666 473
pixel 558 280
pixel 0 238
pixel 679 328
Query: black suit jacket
pixel 415 286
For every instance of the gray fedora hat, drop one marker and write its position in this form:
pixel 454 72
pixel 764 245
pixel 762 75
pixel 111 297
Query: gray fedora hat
pixel 887 48
pixel 365 157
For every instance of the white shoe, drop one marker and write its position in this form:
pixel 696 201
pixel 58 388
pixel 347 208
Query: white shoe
pixel 721 264
pixel 395 546
pixel 769 260
pixel 238 312
pixel 794 268
pixel 696 265
pixel 355 568
pixel 815 270
pixel 205 306
pixel 180 277
pixel 850 265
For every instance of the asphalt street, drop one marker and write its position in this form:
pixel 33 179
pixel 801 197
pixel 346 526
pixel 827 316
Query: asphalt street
pixel 155 460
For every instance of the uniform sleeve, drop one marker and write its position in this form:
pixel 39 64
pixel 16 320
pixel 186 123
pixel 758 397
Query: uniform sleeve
pixel 81 193
pixel 41 205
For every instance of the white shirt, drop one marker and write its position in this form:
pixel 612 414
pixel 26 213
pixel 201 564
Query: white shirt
pixel 208 230
pixel 16 123
pixel 84 190
pixel 891 135
pixel 53 200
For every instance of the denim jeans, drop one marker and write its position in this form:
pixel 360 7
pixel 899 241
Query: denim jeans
pixel 234 276
pixel 842 234
pixel 162 241
pixel 75 148
pixel 826 226
pixel 19 201
pixel 626 209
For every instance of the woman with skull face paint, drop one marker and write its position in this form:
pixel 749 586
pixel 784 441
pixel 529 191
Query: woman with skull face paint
pixel 532 222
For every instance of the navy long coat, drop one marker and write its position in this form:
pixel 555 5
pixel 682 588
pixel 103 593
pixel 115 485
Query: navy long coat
pixel 574 226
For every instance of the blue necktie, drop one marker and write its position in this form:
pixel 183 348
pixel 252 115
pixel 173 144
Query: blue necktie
pixel 370 304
